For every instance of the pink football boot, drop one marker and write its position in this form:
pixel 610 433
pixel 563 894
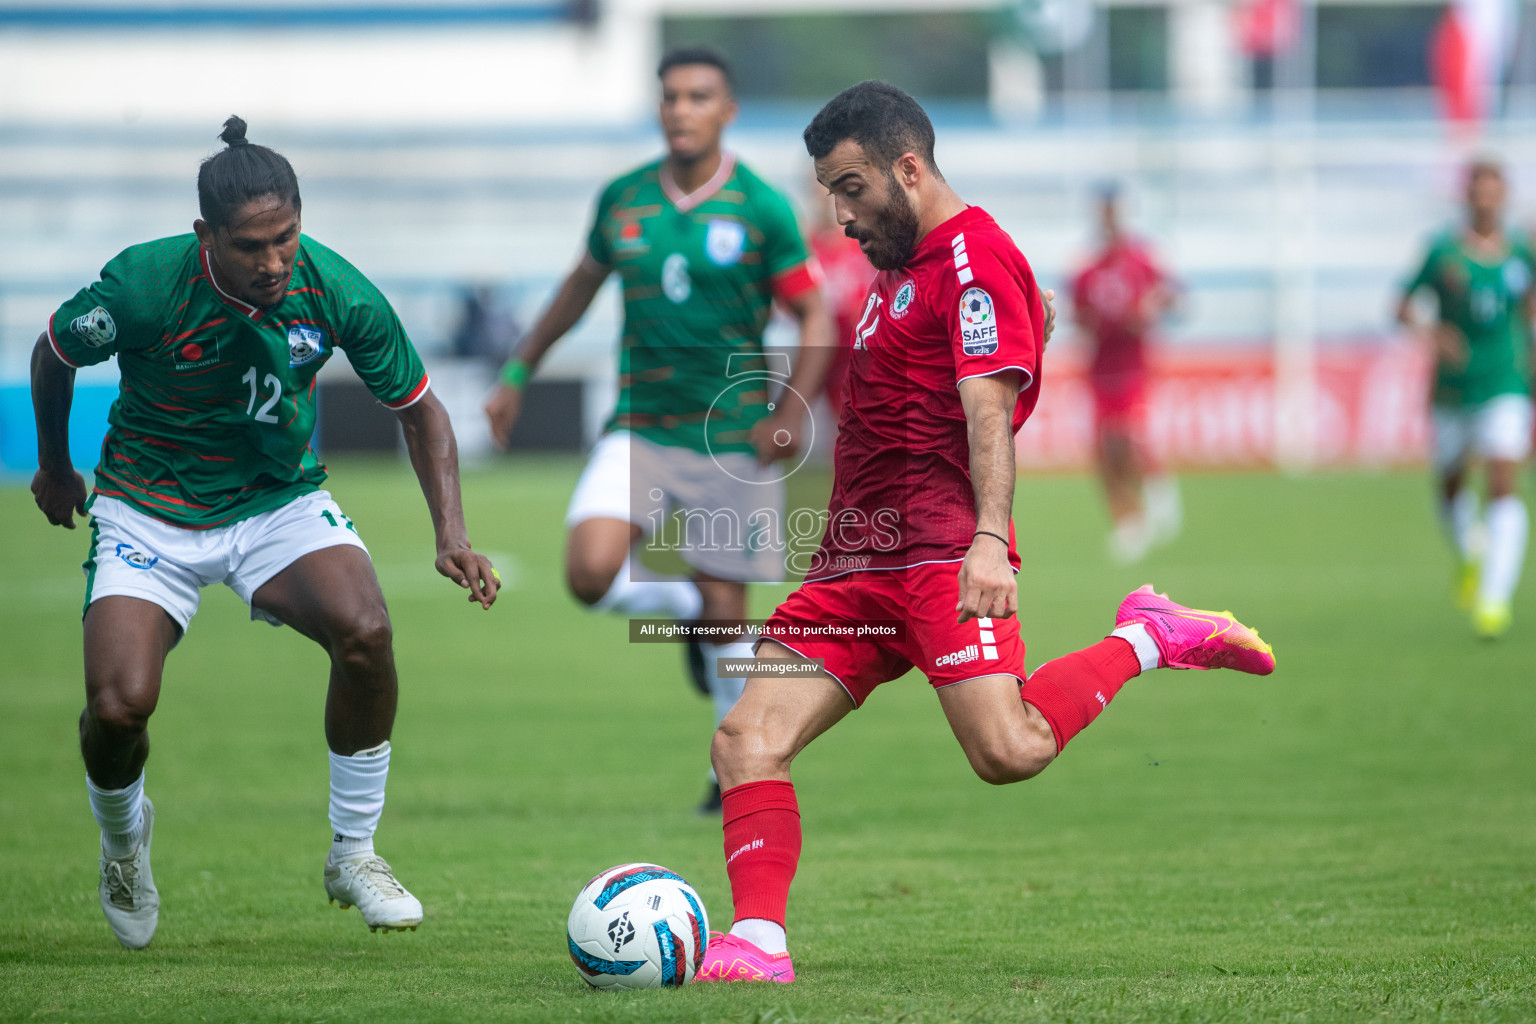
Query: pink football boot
pixel 732 958
pixel 1192 638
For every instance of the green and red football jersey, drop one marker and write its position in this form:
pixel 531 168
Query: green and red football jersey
pixel 700 272
pixel 216 405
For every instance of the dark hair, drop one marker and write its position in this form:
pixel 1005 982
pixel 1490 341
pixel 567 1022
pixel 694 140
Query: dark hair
pixel 1484 163
pixel 696 55
pixel 878 116
pixel 241 172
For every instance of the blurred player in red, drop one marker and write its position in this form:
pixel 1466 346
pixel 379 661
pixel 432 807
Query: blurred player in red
pixel 845 282
pixel 944 371
pixel 1116 299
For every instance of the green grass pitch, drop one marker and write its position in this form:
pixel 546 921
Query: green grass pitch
pixel 1351 839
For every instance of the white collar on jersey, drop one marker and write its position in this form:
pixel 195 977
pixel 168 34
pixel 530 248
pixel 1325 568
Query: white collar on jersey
pixel 686 202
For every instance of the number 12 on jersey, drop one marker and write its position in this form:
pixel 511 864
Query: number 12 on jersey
pixel 265 413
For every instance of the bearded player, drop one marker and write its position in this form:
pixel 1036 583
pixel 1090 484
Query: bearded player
pixel 207 476
pixel 1116 299
pixel 1481 277
pixel 704 248
pixel 946 368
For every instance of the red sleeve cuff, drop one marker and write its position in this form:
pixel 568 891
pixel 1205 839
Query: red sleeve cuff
pixel 412 398
pixel 54 344
pixel 796 281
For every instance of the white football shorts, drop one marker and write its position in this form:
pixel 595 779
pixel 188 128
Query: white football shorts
pixel 1499 428
pixel 136 555
pixel 720 513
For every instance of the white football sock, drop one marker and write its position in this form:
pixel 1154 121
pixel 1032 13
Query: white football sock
pixel 724 692
pixel 1130 540
pixel 357 799
pixel 673 597
pixel 120 813
pixel 1146 648
pixel 1458 516
pixel 1508 525
pixel 766 935
pixel 1164 505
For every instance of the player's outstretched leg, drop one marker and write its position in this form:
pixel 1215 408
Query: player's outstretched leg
pixel 1071 691
pixel 332 596
pixel 1191 637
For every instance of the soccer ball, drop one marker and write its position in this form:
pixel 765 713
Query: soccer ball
pixel 637 926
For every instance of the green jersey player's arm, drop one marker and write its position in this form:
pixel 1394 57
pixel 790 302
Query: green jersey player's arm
pixel 377 346
pixel 795 279
pixel 114 313
pixel 57 487
pixel 818 348
pixel 435 457
pixel 1441 337
pixel 571 301
pixel 1422 279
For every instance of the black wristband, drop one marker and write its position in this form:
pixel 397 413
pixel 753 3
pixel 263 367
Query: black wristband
pixel 989 533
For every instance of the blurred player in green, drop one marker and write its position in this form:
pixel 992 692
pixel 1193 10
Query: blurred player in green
pixel 704 248
pixel 1481 277
pixel 207 476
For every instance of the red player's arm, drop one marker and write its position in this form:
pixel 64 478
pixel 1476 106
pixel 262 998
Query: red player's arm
pixel 987 586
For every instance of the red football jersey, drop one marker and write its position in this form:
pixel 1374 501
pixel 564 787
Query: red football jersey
pixel 965 305
pixel 1113 289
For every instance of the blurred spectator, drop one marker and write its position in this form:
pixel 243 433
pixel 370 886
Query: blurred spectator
pixel 487 328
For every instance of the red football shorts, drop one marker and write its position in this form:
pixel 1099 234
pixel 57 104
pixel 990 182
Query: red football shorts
pixel 923 599
pixel 1120 403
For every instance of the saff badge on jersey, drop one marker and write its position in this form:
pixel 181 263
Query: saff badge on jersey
pixel 724 241
pixel 95 328
pixel 305 344
pixel 978 323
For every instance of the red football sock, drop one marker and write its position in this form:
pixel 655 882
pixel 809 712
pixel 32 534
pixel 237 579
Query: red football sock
pixel 762 847
pixel 1072 690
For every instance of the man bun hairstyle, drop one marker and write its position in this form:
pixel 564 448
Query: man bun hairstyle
pixel 684 55
pixel 879 117
pixel 241 172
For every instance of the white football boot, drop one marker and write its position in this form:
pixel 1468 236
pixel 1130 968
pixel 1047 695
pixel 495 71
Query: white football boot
pixel 367 883
pixel 128 894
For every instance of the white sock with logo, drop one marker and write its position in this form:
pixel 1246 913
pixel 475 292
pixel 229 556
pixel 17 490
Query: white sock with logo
pixel 766 935
pixel 1508 527
pixel 673 597
pixel 1146 648
pixel 727 691
pixel 357 799
pixel 120 813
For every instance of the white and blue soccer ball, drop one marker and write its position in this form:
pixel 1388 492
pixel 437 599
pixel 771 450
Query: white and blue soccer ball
pixel 637 926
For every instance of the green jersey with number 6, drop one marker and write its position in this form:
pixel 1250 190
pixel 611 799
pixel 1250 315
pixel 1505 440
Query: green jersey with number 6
pixel 1484 297
pixel 700 272
pixel 216 405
